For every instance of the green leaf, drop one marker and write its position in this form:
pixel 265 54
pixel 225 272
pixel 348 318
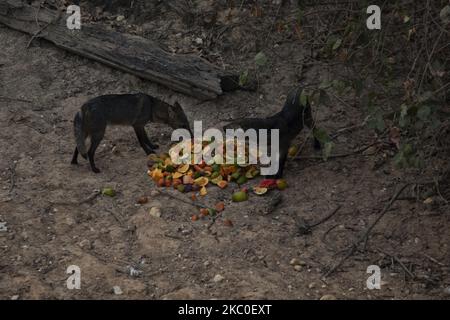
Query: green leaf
pixel 358 86
pixel 303 98
pixel 404 119
pixel 424 112
pixel 324 98
pixel 299 16
pixel 260 59
pixel 338 85
pixel 243 78
pixel 377 122
pixel 399 160
pixel 425 96
pixel 325 84
pixel 321 135
pixel 445 14
pixel 337 44
pixel 326 150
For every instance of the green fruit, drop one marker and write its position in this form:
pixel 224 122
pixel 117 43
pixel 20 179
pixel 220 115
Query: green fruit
pixel 180 187
pixel 239 196
pixel 216 167
pixel 241 180
pixel 170 168
pixel 235 175
pixel 281 184
pixel 110 192
pixel 212 212
pixel 215 174
pixel 197 174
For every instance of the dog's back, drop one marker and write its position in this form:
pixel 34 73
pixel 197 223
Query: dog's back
pixel 123 109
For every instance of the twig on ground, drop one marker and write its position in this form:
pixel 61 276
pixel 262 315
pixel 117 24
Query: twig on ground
pixel 12 178
pixel 94 195
pixel 39 31
pixel 342 155
pixel 366 233
pixel 15 99
pixel 304 227
pixel 194 204
pixel 325 234
pixel 116 216
pixel 399 262
pixel 351 128
pixel 433 259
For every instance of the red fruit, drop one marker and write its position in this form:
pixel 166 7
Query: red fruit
pixel 220 206
pixel 194 217
pixel 228 223
pixel 176 183
pixel 142 200
pixel 168 183
pixel 197 168
pixel 161 182
pixel 268 183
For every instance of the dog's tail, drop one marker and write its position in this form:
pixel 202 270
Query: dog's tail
pixel 80 135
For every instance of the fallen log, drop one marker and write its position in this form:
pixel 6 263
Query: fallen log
pixel 188 74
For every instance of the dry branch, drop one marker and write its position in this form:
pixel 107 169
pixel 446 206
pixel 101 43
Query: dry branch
pixel 188 74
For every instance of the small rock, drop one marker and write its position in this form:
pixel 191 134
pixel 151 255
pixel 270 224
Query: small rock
pixel 311 285
pixel 447 291
pixel 15 297
pixel 294 262
pixel 154 193
pixel 206 263
pixel 298 267
pixel 120 18
pixel 328 297
pixel 428 200
pixel 3 227
pixel 117 290
pixel 85 243
pixel 155 212
pixel 142 200
pixel 198 41
pixel 134 272
pixel 218 278
pixel 297 262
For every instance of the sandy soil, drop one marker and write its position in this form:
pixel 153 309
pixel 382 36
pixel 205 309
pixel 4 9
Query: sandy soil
pixel 50 226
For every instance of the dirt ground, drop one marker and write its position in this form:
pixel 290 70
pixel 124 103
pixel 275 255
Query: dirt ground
pixel 53 222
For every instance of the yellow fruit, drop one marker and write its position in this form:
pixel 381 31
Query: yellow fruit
pixel 259 190
pixel 202 181
pixel 157 174
pixel 177 175
pixel 184 168
pixel 203 191
pixel 222 184
pixel 292 152
pixel 281 184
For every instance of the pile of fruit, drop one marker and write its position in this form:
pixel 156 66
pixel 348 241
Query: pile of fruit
pixel 197 177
